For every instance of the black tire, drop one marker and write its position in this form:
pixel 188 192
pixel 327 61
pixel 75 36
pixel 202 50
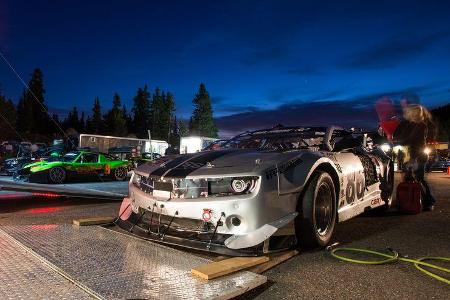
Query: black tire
pixel 315 223
pixel 119 174
pixel 57 175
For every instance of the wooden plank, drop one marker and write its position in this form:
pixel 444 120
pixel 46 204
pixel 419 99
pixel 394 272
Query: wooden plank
pixel 227 266
pixel 93 221
pixel 275 260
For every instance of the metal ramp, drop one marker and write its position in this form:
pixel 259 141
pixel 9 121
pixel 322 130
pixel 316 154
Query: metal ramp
pixel 111 265
pixel 114 190
pixel 24 276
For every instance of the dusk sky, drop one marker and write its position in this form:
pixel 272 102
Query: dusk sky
pixel 263 62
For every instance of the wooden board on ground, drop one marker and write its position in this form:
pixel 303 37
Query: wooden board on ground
pixel 275 260
pixel 93 221
pixel 227 266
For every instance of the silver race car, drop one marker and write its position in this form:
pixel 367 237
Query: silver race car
pixel 263 191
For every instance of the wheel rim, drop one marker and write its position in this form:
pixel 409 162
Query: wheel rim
pixel 120 173
pixel 323 209
pixel 57 175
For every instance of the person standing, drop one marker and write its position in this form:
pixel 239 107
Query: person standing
pixel 400 159
pixel 413 131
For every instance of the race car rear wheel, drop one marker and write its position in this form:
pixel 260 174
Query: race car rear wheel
pixel 317 212
pixel 57 175
pixel 120 174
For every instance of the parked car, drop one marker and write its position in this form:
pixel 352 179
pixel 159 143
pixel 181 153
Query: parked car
pixel 439 161
pixel 74 165
pixel 263 191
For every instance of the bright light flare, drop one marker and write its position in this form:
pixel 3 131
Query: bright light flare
pixel 385 147
pixel 427 151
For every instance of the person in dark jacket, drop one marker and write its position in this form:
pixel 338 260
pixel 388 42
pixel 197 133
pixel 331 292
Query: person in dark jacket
pixel 413 131
pixel 400 159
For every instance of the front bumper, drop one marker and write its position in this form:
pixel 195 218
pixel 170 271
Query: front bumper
pixel 207 240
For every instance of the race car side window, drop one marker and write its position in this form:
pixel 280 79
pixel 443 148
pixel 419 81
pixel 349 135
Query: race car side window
pixel 89 158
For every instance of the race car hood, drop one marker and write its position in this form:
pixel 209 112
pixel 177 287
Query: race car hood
pixel 219 162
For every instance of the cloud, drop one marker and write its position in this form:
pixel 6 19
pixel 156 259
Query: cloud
pixel 354 112
pixel 238 108
pixel 343 113
pixel 393 50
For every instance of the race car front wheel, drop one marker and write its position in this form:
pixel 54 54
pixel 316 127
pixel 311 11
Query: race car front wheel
pixel 57 175
pixel 317 212
pixel 120 174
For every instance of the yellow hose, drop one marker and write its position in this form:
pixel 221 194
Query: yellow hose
pixel 393 257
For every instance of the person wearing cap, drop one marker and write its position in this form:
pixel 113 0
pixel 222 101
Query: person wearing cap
pixel 413 131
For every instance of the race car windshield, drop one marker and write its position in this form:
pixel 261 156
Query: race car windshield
pixel 69 157
pixel 270 141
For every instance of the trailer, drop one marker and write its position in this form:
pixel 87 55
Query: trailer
pixel 192 144
pixel 103 143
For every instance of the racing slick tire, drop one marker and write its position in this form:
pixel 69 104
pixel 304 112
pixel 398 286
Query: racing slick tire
pixel 315 223
pixel 119 174
pixel 57 175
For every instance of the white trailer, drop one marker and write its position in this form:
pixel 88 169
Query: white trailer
pixel 192 144
pixel 103 143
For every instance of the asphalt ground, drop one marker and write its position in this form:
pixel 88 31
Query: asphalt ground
pixel 314 273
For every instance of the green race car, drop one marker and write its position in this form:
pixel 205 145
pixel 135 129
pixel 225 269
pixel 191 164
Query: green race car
pixel 74 165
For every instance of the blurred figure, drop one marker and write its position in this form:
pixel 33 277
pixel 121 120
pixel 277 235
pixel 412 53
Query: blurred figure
pixel 400 159
pixel 413 131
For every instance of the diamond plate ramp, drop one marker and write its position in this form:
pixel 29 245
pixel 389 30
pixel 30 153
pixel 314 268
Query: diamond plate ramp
pixel 116 266
pixel 23 276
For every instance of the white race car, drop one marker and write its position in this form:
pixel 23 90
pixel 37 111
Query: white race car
pixel 263 191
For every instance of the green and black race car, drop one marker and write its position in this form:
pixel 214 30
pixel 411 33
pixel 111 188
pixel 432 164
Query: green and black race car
pixel 72 165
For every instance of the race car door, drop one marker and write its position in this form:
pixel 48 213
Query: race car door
pixel 88 164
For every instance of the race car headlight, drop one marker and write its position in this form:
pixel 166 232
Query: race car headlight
pixel 230 186
pixel 214 187
pixel 240 185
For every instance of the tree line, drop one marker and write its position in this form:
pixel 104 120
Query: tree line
pixel 151 110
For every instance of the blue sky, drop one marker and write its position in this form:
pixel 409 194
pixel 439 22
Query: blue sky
pixel 257 58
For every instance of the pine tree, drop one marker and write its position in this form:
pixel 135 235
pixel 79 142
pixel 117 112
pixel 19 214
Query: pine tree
pixel 72 120
pixel 128 119
pixel 141 111
pixel 174 136
pixel 183 128
pixel 202 122
pixel 96 124
pixel 35 96
pixel 82 122
pixel 7 119
pixel 25 120
pixel 115 121
pixel 169 116
pixel 156 111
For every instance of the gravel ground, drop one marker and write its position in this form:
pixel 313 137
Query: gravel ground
pixel 311 274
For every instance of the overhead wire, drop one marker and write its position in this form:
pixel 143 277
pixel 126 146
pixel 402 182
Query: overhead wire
pixel 44 109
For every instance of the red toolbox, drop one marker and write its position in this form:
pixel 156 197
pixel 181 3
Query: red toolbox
pixel 409 197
